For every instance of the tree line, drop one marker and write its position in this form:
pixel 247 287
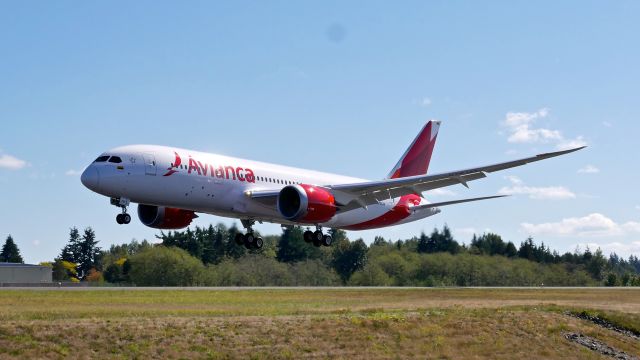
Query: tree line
pixel 210 256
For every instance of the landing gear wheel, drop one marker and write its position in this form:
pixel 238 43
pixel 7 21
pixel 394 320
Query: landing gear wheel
pixel 317 238
pixel 249 241
pixel 308 236
pixel 327 240
pixel 119 219
pixel 126 218
pixel 258 243
pixel 239 239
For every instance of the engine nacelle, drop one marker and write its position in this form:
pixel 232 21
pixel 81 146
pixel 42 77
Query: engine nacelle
pixel 160 217
pixel 306 203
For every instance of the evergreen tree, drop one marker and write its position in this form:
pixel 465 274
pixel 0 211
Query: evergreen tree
pixel 423 243
pixel 292 246
pixel 595 265
pixel 527 249
pixel 10 252
pixel 449 244
pixel 232 249
pixel 89 253
pixel 510 250
pixel 433 241
pixel 379 241
pixel 214 245
pixel 71 251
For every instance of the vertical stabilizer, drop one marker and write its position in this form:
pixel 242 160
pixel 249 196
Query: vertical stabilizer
pixel 415 160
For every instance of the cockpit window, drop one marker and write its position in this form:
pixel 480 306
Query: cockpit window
pixel 115 159
pixel 102 158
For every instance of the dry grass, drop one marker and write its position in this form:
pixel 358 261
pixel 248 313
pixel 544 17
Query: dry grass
pixel 367 323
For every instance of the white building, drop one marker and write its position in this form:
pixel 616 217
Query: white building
pixel 17 274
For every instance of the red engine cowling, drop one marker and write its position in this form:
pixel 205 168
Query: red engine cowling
pixel 306 203
pixel 160 217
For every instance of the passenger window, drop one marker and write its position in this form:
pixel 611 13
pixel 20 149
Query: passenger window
pixel 115 160
pixel 102 158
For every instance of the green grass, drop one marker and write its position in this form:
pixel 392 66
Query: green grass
pixel 294 323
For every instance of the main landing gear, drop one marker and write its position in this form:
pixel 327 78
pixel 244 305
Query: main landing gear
pixel 317 237
pixel 124 217
pixel 249 240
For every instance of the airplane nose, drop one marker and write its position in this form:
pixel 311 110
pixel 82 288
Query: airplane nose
pixel 90 178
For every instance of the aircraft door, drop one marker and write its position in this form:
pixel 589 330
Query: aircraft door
pixel 149 164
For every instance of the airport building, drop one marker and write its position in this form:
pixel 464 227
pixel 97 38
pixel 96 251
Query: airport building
pixel 24 274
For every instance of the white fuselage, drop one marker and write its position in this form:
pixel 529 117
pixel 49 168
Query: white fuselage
pixel 216 184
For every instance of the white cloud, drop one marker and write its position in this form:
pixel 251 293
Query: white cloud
pixel 637 207
pixel 594 224
pixel 571 143
pixel 72 172
pixel 539 193
pixel 607 124
pixel 11 162
pixel 521 129
pixel 589 169
pixel 631 226
pixel 426 102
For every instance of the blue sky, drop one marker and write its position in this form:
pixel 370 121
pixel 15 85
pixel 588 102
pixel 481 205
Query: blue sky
pixel 335 86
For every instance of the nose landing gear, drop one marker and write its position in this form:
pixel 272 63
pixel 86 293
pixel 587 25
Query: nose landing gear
pixel 124 217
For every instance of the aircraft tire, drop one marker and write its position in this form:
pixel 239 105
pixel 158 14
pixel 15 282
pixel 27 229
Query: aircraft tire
pixel 239 239
pixel 249 241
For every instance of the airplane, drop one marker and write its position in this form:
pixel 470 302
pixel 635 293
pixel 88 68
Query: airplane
pixel 170 185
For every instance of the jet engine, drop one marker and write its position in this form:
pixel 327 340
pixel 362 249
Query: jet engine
pixel 306 203
pixel 160 217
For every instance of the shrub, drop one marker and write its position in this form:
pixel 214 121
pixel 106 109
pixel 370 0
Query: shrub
pixel 163 266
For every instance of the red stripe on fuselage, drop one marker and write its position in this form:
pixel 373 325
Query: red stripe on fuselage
pixel 398 213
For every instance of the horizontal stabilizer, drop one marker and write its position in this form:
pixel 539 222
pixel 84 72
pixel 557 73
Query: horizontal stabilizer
pixel 445 203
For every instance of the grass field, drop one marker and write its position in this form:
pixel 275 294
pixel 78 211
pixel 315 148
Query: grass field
pixel 319 323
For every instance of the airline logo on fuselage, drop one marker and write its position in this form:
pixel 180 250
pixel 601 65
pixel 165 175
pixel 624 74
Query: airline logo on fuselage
pixel 205 169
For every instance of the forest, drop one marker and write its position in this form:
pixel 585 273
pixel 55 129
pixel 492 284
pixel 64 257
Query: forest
pixel 209 256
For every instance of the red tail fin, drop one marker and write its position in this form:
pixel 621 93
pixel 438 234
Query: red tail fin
pixel 415 160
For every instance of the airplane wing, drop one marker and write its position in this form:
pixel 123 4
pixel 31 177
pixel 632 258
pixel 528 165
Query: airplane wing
pixel 355 195
pixel 445 203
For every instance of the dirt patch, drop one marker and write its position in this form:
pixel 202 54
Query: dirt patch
pixel 598 346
